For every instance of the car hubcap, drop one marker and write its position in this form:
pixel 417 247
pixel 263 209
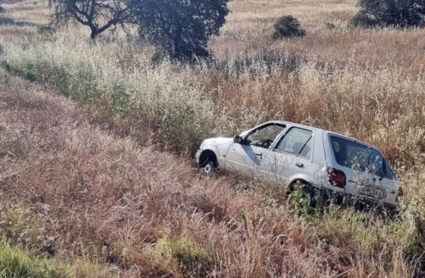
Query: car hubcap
pixel 208 168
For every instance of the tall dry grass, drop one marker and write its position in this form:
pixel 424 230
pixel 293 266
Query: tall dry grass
pixel 179 105
pixel 72 191
pixel 97 185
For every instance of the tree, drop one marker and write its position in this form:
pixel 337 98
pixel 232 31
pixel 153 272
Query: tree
pixel 396 13
pixel 180 28
pixel 98 15
pixel 287 27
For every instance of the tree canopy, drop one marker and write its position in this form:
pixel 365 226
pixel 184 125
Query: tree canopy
pixel 180 28
pixel 396 13
pixel 98 15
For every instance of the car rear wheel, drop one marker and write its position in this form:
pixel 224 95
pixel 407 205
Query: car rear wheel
pixel 295 191
pixel 301 196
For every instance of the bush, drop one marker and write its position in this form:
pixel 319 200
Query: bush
pixel 288 27
pixel 384 13
pixel 363 20
pixel 46 30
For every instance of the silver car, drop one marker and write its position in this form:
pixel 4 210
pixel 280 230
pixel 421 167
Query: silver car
pixel 321 161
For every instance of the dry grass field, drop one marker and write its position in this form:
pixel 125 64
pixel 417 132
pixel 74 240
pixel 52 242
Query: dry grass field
pixel 96 142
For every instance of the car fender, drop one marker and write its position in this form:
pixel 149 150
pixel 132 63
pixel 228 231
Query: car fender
pixel 212 149
pixel 303 178
pixel 218 146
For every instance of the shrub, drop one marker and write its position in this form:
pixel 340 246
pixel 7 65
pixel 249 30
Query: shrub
pixel 46 30
pixel 383 13
pixel 363 20
pixel 288 27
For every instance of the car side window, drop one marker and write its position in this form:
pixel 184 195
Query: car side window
pixel 264 136
pixel 297 141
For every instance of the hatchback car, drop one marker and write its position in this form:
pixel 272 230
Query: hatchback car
pixel 321 161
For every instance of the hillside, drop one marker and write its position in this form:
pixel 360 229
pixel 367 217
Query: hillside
pixel 96 145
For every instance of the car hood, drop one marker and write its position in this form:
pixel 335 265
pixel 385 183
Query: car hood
pixel 218 142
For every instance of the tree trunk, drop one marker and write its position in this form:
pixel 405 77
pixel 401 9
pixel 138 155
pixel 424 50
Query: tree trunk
pixel 94 33
pixel 177 41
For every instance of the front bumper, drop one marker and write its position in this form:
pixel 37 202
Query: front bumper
pixel 198 155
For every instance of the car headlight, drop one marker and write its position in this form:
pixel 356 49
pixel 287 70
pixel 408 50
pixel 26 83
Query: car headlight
pixel 202 145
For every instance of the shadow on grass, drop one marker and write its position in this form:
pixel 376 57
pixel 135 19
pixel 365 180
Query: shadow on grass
pixel 8 21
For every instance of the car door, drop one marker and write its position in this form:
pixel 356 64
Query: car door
pixel 245 158
pixel 292 155
pixel 241 159
pixel 265 168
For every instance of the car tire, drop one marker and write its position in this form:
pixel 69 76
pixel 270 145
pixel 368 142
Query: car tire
pixel 208 168
pixel 297 188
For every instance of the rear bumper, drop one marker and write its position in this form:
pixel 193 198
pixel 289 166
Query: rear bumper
pixel 339 197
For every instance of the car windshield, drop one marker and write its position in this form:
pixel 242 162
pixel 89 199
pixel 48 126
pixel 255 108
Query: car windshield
pixel 359 157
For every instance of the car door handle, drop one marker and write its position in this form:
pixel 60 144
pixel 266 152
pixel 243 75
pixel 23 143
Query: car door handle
pixel 260 155
pixel 299 165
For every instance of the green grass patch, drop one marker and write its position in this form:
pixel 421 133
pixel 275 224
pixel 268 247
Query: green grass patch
pixel 186 255
pixel 17 262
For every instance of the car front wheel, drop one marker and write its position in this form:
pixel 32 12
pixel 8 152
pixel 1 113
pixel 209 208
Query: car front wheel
pixel 208 168
pixel 208 163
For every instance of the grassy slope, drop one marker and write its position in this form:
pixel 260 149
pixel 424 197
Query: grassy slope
pixel 73 190
pixel 92 186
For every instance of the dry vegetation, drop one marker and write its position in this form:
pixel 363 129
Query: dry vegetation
pixel 88 186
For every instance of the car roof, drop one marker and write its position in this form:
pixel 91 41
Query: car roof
pixel 324 131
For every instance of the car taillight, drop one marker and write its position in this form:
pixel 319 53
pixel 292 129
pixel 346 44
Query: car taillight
pixel 400 192
pixel 337 177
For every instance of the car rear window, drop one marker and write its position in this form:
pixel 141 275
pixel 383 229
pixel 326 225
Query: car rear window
pixel 359 157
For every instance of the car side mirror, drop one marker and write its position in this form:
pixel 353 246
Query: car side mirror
pixel 238 139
